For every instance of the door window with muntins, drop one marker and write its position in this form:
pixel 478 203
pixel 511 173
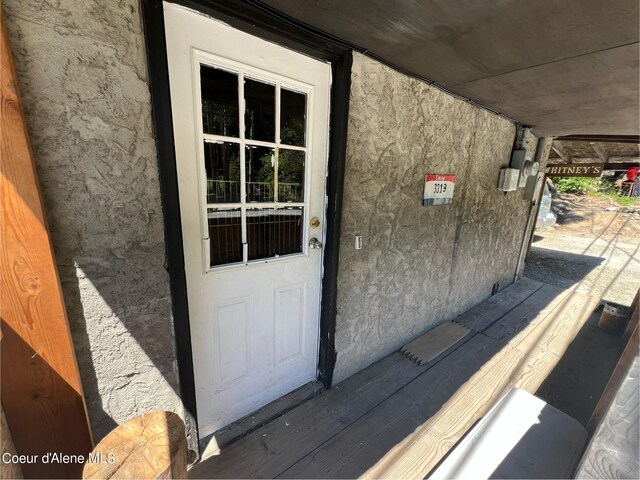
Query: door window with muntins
pixel 254 134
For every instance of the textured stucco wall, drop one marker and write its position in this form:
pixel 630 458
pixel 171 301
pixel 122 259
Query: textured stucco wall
pixel 82 74
pixel 419 266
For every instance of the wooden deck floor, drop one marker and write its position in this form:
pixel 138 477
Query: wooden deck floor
pixel 377 422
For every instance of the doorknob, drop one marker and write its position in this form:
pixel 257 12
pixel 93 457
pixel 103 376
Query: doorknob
pixel 315 243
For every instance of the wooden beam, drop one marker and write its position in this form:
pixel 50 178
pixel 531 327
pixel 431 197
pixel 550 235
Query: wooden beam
pixel 624 158
pixel 562 153
pixel 635 316
pixel 600 151
pixel 41 391
pixel 620 166
pixel 601 138
pixel 614 163
pixel 586 160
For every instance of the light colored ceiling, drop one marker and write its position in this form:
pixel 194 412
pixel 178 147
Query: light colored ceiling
pixel 563 66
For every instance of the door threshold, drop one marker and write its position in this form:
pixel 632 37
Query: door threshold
pixel 211 444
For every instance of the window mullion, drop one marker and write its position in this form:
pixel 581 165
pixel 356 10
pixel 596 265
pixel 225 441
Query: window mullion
pixel 277 149
pixel 243 166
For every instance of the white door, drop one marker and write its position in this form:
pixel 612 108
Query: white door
pixel 250 123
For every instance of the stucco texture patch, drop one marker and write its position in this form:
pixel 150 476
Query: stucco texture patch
pixel 419 266
pixel 82 74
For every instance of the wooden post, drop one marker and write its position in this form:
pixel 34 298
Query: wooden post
pixel 635 317
pixel 615 381
pixel 151 446
pixel 41 392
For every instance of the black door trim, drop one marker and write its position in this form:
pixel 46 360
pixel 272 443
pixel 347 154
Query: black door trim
pixel 338 123
pixel 262 21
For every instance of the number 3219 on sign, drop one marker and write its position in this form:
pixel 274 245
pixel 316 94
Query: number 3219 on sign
pixel 438 189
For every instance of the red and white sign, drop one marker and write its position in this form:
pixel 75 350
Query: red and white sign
pixel 438 189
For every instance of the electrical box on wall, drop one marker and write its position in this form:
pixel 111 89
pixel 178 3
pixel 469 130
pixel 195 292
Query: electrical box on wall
pixel 519 157
pixel 508 180
pixel 522 160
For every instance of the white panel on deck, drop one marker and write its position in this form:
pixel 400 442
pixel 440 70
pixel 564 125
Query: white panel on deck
pixel 520 437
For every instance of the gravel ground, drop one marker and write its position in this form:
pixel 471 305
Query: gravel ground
pixel 595 244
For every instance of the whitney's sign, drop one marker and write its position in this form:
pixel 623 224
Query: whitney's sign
pixel 575 170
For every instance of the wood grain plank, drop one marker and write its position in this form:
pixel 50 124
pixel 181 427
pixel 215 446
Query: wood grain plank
pixel 538 305
pixel 272 449
pixel 524 362
pixel 635 317
pixel 41 390
pixel 355 449
pixel 545 344
pixel 231 433
pixel 576 384
pixel 491 310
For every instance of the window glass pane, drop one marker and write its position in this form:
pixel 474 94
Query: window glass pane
pixel 219 101
pixel 259 115
pixel 290 176
pixel 293 108
pixel 260 167
pixel 272 233
pixel 225 233
pixel 222 163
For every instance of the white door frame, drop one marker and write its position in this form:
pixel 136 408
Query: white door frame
pixel 244 304
pixel 270 25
